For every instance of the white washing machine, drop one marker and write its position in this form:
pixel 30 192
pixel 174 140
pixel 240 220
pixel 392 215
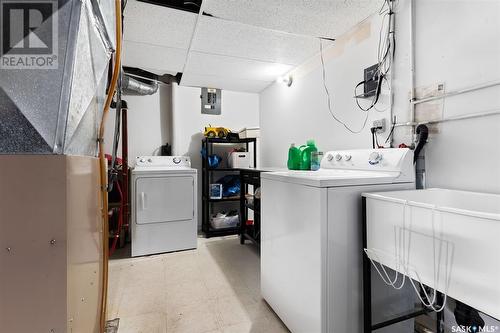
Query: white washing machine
pixel 164 205
pixel 311 239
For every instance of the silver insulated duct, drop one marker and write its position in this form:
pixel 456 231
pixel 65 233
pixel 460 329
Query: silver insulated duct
pixel 53 80
pixel 131 86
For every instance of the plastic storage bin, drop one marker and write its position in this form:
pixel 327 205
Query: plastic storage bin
pixel 221 221
pixel 239 160
pixel 250 132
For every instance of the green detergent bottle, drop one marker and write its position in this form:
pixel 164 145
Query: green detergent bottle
pixel 293 158
pixel 305 154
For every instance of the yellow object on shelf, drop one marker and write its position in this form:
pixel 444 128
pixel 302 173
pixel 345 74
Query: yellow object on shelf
pixel 216 132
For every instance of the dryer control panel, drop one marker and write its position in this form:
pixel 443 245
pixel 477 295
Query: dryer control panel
pixel 163 161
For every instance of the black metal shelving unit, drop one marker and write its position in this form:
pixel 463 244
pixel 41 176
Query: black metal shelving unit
pixel 250 232
pixel 207 179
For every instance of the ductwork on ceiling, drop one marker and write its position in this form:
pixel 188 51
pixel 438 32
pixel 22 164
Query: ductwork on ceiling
pixel 139 82
pixel 131 86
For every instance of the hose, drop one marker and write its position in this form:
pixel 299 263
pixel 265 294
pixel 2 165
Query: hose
pixel 102 166
pixel 423 133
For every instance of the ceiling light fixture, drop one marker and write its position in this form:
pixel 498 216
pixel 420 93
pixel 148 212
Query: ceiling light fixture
pixel 288 80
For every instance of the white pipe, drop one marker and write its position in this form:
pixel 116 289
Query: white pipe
pixel 456 92
pixel 392 27
pixel 405 124
pixel 462 117
pixel 412 65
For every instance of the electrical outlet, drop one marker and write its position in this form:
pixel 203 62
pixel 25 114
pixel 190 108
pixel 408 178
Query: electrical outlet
pixel 380 124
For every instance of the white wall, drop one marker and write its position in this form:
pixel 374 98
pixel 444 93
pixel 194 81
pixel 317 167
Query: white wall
pixel 173 115
pixel 453 46
pixel 149 124
pixel 297 113
pixel 460 49
pixel 239 110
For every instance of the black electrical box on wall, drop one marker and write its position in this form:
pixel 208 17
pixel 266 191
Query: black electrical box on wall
pixel 371 81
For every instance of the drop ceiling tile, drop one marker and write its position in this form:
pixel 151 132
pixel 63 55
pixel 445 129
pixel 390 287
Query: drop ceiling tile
pixel 157 25
pixel 231 67
pixel 246 41
pixel 196 80
pixel 165 60
pixel 319 18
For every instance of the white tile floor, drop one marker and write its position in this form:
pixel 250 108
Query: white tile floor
pixel 213 289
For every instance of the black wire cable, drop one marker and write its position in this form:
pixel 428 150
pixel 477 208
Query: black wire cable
pixel 383 67
pixel 392 130
pixel 329 98
pixel 376 96
pixel 383 51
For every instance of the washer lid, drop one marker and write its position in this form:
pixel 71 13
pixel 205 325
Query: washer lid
pixel 355 167
pixel 334 178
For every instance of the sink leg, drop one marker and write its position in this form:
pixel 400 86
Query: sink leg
pixel 440 315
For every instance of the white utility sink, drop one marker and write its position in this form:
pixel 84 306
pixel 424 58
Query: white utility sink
pixel 447 239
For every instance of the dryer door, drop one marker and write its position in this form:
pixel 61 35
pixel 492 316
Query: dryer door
pixel 164 199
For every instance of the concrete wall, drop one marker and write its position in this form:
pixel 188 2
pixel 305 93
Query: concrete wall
pixel 453 47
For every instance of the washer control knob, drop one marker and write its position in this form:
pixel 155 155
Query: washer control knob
pixel 347 157
pixel 150 160
pixel 375 158
pixel 142 160
pixel 338 157
pixel 176 160
pixel 329 157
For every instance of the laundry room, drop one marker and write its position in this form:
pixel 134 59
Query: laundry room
pixel 264 166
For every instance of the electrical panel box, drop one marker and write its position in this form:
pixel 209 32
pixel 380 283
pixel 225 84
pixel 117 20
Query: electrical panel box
pixel 211 101
pixel 371 81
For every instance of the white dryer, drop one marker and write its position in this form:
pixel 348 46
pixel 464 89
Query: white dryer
pixel 311 244
pixel 164 205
